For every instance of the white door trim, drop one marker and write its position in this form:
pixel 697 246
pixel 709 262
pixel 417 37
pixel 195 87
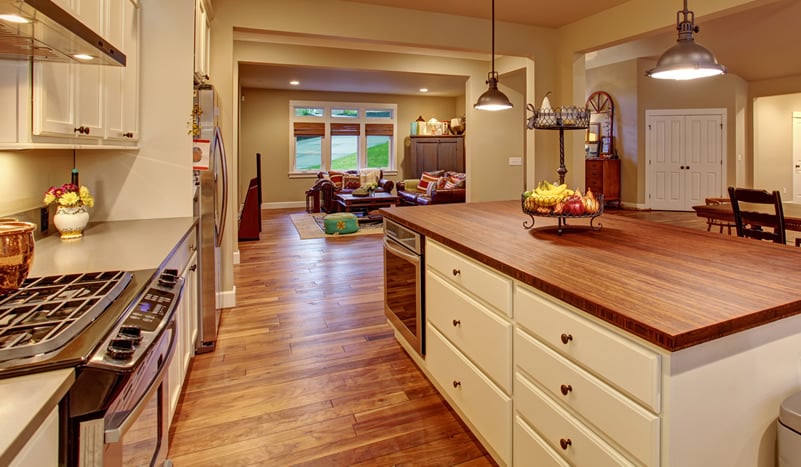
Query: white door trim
pixel 650 114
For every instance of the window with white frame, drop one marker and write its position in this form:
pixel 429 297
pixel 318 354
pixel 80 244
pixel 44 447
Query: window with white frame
pixel 342 136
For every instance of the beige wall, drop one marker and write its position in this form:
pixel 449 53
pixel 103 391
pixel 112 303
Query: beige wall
pixel 25 175
pixel 773 142
pixel 264 128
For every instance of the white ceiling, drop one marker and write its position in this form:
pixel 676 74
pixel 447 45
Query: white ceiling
pixel 757 44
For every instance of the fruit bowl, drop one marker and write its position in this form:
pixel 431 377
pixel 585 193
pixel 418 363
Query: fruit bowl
pixel 562 208
pixel 16 254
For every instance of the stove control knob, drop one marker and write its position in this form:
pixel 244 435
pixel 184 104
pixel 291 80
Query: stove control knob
pixel 121 349
pixel 168 278
pixel 132 333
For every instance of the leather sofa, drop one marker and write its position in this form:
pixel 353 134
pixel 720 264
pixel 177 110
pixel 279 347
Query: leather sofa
pixel 411 194
pixel 329 184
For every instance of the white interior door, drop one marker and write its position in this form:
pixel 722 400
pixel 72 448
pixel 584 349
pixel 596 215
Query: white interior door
pixel 685 157
pixel 797 157
pixel 665 161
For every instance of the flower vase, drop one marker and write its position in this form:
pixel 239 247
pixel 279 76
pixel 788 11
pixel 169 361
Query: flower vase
pixel 71 221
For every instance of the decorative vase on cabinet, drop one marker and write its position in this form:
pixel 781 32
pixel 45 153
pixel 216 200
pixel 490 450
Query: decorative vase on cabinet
pixel 71 221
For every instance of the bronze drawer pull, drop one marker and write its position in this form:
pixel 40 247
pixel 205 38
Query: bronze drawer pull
pixel 565 442
pixel 457 322
pixel 456 272
pixel 456 384
pixel 565 388
pixel 566 338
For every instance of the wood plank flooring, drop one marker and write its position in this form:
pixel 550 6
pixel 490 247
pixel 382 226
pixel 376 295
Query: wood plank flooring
pixel 307 372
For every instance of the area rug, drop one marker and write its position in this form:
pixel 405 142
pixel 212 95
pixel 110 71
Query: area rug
pixel 311 226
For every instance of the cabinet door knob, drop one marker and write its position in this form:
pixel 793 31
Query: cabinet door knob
pixel 84 130
pixel 456 272
pixel 193 267
pixel 127 134
pixel 457 322
pixel 565 388
pixel 456 384
pixel 565 442
pixel 566 338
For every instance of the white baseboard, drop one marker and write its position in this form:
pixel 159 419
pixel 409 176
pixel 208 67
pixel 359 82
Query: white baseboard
pixel 227 299
pixel 284 204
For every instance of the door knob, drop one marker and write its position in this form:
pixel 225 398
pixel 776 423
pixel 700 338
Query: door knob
pixel 565 442
pixel 566 338
pixel 566 388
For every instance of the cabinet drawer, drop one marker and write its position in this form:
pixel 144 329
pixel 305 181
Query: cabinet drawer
pixel 635 429
pixel 483 403
pixel 558 428
pixel 487 285
pixel 481 335
pixel 530 449
pixel 617 360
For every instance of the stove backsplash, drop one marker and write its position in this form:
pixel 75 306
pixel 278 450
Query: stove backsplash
pixel 42 217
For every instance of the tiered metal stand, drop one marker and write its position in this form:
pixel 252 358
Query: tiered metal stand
pixel 561 118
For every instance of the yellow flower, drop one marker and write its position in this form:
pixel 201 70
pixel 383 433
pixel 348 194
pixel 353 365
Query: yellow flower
pixel 49 198
pixel 86 198
pixel 69 199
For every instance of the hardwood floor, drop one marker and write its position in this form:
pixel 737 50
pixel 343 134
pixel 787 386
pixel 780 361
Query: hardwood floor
pixel 306 370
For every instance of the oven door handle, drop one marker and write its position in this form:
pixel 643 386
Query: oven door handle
pixel 394 248
pixel 114 435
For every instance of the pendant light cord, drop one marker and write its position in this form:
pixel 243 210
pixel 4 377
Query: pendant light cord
pixel 493 35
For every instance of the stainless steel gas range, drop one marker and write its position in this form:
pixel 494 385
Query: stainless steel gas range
pixel 117 330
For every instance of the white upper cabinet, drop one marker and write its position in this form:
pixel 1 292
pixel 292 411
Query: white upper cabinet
pixel 202 39
pixel 85 103
pixel 122 84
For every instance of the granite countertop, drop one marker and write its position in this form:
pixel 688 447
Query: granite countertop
pixel 25 404
pixel 109 246
pixel 672 286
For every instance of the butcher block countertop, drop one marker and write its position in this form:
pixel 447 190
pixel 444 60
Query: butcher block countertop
pixel 672 286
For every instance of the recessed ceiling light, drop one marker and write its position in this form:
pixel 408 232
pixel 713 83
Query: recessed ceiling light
pixel 423 89
pixel 14 19
pixel 294 82
pixel 83 57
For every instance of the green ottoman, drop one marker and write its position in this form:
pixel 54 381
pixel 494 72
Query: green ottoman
pixel 340 223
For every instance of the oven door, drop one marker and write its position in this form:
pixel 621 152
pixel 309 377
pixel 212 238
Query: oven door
pixel 403 293
pixel 136 428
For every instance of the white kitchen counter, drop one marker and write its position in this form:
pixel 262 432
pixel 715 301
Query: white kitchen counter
pixel 25 402
pixel 110 246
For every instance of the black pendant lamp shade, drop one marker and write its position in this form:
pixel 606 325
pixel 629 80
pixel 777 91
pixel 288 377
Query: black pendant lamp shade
pixel 686 60
pixel 493 99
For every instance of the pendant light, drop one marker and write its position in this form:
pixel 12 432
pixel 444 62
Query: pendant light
pixel 686 59
pixel 493 99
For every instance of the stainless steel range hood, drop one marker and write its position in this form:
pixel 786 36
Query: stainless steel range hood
pixel 51 34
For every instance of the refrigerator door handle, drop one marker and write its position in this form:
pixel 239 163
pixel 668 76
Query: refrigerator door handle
pixel 224 174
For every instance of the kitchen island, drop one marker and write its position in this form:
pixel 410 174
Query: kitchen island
pixel 649 344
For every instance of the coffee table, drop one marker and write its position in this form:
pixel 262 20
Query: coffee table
pixel 379 199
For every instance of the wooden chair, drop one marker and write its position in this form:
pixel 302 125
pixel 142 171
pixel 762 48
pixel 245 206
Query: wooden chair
pixel 750 223
pixel 721 223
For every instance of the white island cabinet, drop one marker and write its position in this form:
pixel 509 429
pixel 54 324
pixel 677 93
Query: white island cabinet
pixel 541 382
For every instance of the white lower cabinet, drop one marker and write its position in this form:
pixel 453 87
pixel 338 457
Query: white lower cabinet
pixel 185 260
pixel 484 405
pixel 531 449
pixel 42 448
pixel 578 444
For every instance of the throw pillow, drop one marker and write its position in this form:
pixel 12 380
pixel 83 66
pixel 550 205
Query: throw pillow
pixel 350 182
pixel 425 180
pixel 335 177
pixel 455 180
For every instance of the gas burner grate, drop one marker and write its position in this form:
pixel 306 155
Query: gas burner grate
pixel 47 312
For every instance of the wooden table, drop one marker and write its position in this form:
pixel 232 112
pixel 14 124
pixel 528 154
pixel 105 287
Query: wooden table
pixel 723 212
pixel 379 199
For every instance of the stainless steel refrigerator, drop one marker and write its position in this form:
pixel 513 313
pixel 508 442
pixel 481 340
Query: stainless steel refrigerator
pixel 211 199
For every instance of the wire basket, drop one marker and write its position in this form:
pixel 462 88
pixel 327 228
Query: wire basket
pixel 558 117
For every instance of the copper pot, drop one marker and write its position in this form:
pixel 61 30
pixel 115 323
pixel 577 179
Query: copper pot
pixel 16 254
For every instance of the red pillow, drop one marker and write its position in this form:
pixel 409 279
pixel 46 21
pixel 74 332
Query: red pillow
pixel 335 177
pixel 425 179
